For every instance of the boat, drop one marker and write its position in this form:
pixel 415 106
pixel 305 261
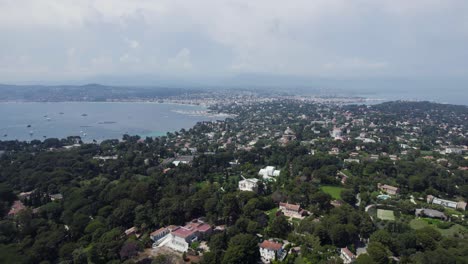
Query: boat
pixel 29 125
pixel 48 119
pixel 61 113
pixel 6 135
pixel 84 114
pixel 31 132
pixel 107 122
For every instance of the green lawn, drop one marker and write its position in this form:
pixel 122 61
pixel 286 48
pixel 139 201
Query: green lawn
pixel 271 213
pixel 334 191
pixel 385 215
pixel 423 222
pixel 347 173
pixel 426 152
pixel 450 211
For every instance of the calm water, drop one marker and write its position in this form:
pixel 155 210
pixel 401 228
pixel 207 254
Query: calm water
pixel 97 121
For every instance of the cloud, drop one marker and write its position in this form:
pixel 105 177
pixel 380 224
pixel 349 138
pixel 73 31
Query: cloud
pixel 127 58
pixel 181 60
pixel 356 64
pixel 362 38
pixel 132 43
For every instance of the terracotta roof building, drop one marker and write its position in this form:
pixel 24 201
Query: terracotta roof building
pixel 292 210
pixel 17 207
pixel 392 190
pixel 270 250
pixel 347 256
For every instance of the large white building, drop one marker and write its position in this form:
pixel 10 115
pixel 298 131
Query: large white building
pixel 270 250
pixel 159 235
pixel 179 238
pixel 453 150
pixel 269 172
pixel 446 203
pixel 250 185
pixel 336 133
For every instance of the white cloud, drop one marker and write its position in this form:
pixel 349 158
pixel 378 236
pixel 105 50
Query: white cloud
pixel 132 43
pixel 127 58
pixel 181 61
pixel 303 37
pixel 356 64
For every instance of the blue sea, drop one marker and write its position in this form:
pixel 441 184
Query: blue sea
pixel 94 121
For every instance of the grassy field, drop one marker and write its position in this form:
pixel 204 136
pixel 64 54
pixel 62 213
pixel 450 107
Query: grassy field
pixel 334 191
pixel 423 222
pixel 385 215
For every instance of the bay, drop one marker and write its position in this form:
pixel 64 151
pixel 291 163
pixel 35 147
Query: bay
pixel 94 120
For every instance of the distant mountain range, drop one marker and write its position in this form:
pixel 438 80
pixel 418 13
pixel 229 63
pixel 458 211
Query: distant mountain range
pixel 451 90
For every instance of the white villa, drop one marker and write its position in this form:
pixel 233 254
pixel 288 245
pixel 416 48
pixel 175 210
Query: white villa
pixel 270 250
pixel 250 185
pixel 269 172
pixel 453 150
pixel 336 133
pixel 179 238
pixel 446 203
pixel 347 256
pixel 184 159
pixel 159 235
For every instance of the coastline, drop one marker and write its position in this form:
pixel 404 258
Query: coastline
pixel 123 101
pixel 101 122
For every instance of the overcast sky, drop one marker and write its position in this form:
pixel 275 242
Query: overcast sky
pixel 60 40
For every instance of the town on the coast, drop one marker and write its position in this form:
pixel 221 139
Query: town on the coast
pixel 278 179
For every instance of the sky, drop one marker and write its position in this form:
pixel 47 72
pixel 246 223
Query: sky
pixel 69 40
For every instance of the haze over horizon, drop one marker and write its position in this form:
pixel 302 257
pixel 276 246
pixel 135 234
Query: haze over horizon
pixel 368 44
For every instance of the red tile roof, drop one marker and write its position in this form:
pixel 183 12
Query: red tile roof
pixel 271 245
pixel 388 187
pixel 16 207
pixel 348 252
pixel 183 232
pixel 198 225
pixel 203 227
pixel 294 207
pixel 159 231
pixel 131 230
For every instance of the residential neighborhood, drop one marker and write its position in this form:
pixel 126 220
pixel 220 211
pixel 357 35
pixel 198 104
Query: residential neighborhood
pixel 282 181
